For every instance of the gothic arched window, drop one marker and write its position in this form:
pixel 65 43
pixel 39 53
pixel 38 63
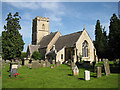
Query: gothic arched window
pixel 85 49
pixel 43 26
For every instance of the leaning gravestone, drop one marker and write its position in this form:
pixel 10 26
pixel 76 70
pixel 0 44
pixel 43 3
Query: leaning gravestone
pixel 99 69
pixel 87 75
pixel 106 67
pixel 75 71
pixel 35 64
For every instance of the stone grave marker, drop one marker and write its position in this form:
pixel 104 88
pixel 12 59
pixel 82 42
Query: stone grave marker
pixel 100 60
pixel 35 64
pixel 75 70
pixel 13 71
pixel 48 64
pixel 99 70
pixel 42 63
pixel 53 62
pixel 57 64
pixel 106 67
pixel 72 65
pixel 87 75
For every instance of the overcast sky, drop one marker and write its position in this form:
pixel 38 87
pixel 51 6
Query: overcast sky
pixel 67 17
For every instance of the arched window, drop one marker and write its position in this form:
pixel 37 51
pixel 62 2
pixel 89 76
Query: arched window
pixel 85 49
pixel 43 26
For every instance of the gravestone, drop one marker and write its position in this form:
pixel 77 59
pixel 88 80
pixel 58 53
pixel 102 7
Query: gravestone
pixel 13 71
pixel 57 64
pixel 72 65
pixel 48 64
pixel 100 60
pixel 87 75
pixel 42 63
pixel 53 62
pixel 35 64
pixel 106 67
pixel 99 70
pixel 75 70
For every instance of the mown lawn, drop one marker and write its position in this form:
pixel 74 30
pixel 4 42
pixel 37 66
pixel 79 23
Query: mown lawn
pixel 58 77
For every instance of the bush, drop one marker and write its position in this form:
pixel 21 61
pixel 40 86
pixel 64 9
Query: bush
pixel 23 55
pixel 36 55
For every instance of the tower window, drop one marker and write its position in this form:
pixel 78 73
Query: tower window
pixel 43 26
pixel 85 49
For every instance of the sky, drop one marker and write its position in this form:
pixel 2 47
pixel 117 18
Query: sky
pixel 66 17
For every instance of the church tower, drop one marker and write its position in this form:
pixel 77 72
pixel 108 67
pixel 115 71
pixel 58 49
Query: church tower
pixel 40 28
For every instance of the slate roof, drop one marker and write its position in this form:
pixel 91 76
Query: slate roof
pixel 46 40
pixel 67 40
pixel 33 48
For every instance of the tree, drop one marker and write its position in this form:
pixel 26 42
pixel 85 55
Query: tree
pixel 99 40
pixel 114 37
pixel 12 43
pixel 23 55
pixel 36 55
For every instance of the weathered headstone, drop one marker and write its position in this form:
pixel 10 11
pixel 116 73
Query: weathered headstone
pixel 35 64
pixel 42 63
pixel 99 70
pixel 99 59
pixel 53 62
pixel 13 71
pixel 87 75
pixel 72 65
pixel 57 64
pixel 26 61
pixel 75 71
pixel 48 64
pixel 106 67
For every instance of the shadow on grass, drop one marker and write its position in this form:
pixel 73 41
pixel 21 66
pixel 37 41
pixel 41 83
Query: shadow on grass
pixel 81 78
pixel 70 75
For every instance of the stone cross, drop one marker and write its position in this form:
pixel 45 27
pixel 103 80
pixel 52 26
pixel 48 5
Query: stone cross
pixel 106 67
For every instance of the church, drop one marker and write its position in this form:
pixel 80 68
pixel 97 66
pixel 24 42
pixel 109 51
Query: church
pixel 58 47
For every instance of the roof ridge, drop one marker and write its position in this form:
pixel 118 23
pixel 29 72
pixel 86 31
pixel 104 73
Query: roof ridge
pixel 72 33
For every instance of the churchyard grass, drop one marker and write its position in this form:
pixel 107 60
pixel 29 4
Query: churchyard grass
pixel 58 77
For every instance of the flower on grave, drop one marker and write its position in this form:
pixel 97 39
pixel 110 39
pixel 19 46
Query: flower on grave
pixel 16 74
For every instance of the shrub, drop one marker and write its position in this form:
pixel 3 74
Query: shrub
pixel 36 55
pixel 23 55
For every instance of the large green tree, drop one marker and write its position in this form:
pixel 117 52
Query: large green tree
pixel 114 37
pixel 12 43
pixel 100 40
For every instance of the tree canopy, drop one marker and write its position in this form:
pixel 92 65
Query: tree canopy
pixel 12 43
pixel 36 55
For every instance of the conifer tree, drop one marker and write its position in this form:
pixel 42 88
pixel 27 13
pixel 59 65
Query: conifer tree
pixel 114 37
pixel 99 45
pixel 12 43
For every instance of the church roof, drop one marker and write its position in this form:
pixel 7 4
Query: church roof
pixel 67 40
pixel 46 40
pixel 33 48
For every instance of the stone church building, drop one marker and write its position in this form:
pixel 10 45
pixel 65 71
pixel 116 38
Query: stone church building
pixel 58 47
